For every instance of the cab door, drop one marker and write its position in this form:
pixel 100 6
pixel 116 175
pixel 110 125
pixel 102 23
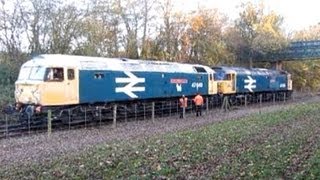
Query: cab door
pixel 72 86
pixel 54 87
pixel 233 83
pixel 212 84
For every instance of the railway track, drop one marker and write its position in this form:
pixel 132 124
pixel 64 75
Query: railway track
pixel 14 125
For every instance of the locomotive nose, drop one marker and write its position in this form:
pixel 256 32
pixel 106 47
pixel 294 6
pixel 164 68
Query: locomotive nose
pixel 27 93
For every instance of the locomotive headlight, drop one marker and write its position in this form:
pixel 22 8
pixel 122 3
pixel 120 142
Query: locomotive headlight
pixel 17 92
pixel 36 96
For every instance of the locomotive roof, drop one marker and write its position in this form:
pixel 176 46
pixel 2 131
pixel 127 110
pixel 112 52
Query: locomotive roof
pixel 121 64
pixel 247 71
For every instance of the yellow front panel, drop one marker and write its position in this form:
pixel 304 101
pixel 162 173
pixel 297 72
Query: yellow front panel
pixel 61 93
pixel 226 87
pixel 53 94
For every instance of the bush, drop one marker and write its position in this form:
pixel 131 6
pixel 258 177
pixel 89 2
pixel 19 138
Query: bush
pixel 6 95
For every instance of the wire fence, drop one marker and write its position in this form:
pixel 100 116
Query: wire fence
pixel 84 117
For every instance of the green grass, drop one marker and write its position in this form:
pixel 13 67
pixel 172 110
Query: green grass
pixel 283 144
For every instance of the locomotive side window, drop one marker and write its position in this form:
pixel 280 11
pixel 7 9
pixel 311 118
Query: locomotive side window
pixel 227 77
pixel 55 74
pixel 70 74
pixel 98 75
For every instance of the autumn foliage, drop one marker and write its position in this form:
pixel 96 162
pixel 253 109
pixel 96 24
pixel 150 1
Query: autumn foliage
pixel 146 29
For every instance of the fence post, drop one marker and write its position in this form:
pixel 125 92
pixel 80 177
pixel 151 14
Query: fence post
pixel 183 112
pixel 284 96
pixel 29 124
pixel 49 123
pixel 207 104
pixel 85 117
pixel 7 133
pixel 260 97
pixel 162 109
pixel 100 116
pixel 223 103
pixel 152 116
pixel 144 111
pixel 125 113
pixel 135 111
pixel 170 108
pixel 274 98
pixel 69 112
pixel 177 107
pixel 114 115
pixel 191 104
pixel 245 100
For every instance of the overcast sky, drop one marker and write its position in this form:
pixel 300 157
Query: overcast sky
pixel 298 14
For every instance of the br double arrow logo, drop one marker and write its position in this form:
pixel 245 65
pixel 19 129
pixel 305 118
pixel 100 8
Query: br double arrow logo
pixel 250 83
pixel 128 89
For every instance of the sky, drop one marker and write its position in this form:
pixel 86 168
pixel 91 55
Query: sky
pixel 297 14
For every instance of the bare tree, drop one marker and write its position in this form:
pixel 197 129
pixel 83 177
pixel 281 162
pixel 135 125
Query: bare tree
pixel 11 30
pixel 100 30
pixel 65 24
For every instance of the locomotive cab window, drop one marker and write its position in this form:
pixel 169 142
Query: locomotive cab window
pixel 54 74
pixel 70 74
pixel 200 69
pixel 211 77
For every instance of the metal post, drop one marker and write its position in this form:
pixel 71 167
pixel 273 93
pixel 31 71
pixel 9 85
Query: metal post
pixel 284 97
pixel 144 111
pixel 7 133
pixel 245 101
pixel 207 104
pixel 125 113
pixel 100 116
pixel 162 109
pixel 114 115
pixel 135 111
pixel 184 112
pixel 152 111
pixel 69 111
pixel 29 128
pixel 274 98
pixel 49 123
pixel 223 103
pixel 85 117
pixel 191 107
pixel 177 107
pixel 170 109
pixel 260 97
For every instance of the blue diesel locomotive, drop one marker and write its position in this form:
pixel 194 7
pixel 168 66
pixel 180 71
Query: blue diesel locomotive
pixel 67 81
pixel 64 80
pixel 255 84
